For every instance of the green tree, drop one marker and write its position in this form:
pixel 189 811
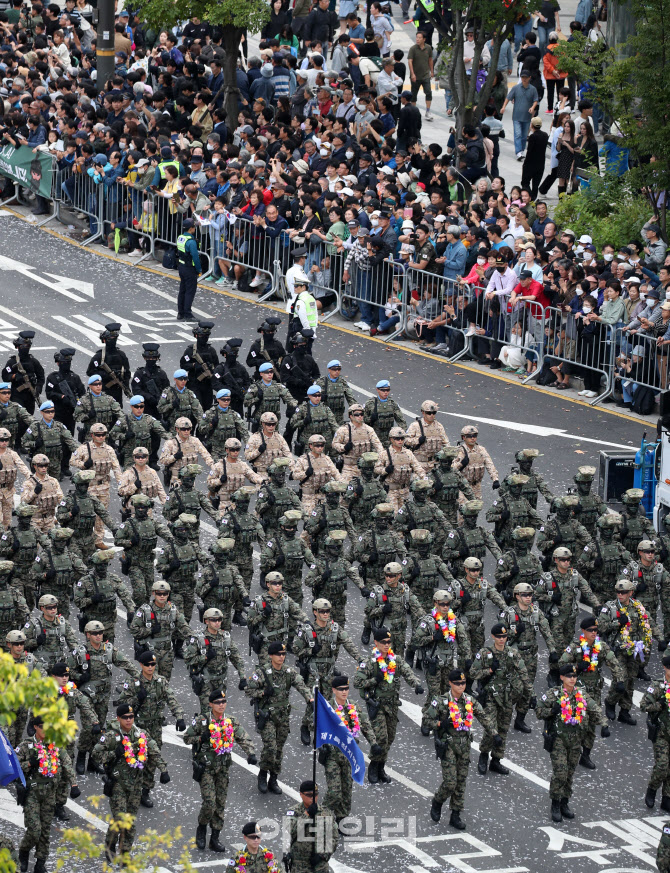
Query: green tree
pixel 233 16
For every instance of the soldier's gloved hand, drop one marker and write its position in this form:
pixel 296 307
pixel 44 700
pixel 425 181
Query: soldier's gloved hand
pixel 348 446
pixel 438 636
pixel 262 448
pixel 88 464
pixel 558 538
pixel 165 776
pixel 468 664
pixel 389 468
pixel 520 626
pixel 466 459
pixel 211 653
pixel 156 627
pixel 497 741
pixel 622 619
pixel 223 479
pixel 75 791
pixel 135 540
pixel 96 597
pixel 662 645
pixel 418 690
pixel 620 687
pixel 38 487
pixel 504 515
pixel 280 560
pixel 556 708
pixel 556 597
pixel 242 684
pixel 514 572
pixel 466 597
pixel 267 610
pixel 175 403
pixel 178 455
pixel 74 512
pixel 365 592
pixel 129 619
pixel 141 695
pixel 605 732
pixel 495 484
pixel 246 600
pixel 387 609
pixel 174 564
pixel 41 638
pixel 376 750
pixel 180 725
pixel 553 657
pixel 96 729
pixel 252 759
pixel 533 702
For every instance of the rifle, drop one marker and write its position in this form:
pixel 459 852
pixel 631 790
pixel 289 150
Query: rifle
pixel 68 394
pixel 268 359
pixel 152 391
pixel 26 385
pixel 206 372
pixel 113 378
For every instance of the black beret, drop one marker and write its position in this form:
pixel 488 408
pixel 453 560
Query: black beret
pixel 217 694
pixel 381 634
pixel 308 785
pixel 588 622
pixel 276 648
pixel 499 630
pixel 124 709
pixel 340 681
pixel 147 658
pixel 456 676
pixel 250 828
pixel 567 670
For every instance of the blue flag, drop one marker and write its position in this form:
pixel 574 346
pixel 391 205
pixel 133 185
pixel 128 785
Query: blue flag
pixel 10 768
pixel 331 730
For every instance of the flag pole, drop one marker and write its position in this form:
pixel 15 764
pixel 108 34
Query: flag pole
pixel 315 693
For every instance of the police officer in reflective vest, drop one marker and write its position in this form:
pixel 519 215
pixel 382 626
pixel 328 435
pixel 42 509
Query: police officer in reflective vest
pixel 188 262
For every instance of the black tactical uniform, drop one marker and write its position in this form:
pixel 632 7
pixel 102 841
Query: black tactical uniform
pixel 267 349
pixel 111 364
pixel 232 375
pixel 200 360
pixel 25 374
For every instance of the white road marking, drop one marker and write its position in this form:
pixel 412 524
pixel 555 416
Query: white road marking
pixel 68 342
pixel 13 814
pixel 172 298
pixel 76 284
pixel 61 285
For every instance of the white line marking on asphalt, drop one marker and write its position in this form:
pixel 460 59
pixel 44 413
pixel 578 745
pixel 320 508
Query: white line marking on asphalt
pixel 60 285
pixel 172 298
pixel 13 314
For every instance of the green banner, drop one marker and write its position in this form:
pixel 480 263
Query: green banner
pixel 31 169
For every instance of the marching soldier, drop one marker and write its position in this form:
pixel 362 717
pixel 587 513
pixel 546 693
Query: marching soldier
pixel 310 850
pixel 364 491
pixel 567 711
pixel 272 617
pixel 424 571
pixel 155 624
pixel 266 395
pixel 421 512
pixel 605 560
pixel 137 430
pixel 381 413
pixel 212 739
pixel 557 592
pixel 337 767
pixel 375 548
pixel 20 544
pixel 15 642
pixel 149 694
pixel 228 475
pixel 652 588
pixel 355 440
pixel 95 594
pixel 562 529
pixel 450 717
pixel 331 573
pixel 91 666
pixel 298 369
pixel 117 752
pixel 178 565
pixel 186 498
pixel 591 506
pixel 518 564
pixel 183 451
pixel 231 376
pixel 270 688
pixel 335 391
pixel 140 479
pixel 24 372
pixel 391 603
pixel 43 764
pixel 111 364
pixel 426 436
pixel 328 516
pixel 64 387
pixel 179 402
pixel 200 360
pixel 99 457
pixel 222 423
pixel 448 484
pixel 14 612
pixel 265 445
pixel 524 620
pixel 13 416
pixel 43 492
pixel 288 553
pixel 469 539
pixel 95 407
pixel 504 682
pixel 57 569
pixel 654 703
pixel 590 655
pixel 243 526
pixel 473 461
pixel 220 584
pixel 151 381
pixel 471 592
pixel 316 647
pixel 207 656
pixel 636 526
pixel 377 680
pixel 511 511
pixel 312 417
pixel 625 625
pixel 663 851
pixel 49 636
pixel 267 349
pixel 313 470
pixel 11 465
pixel 535 484
pixel 80 511
pixel 398 467
pixel 50 437
pixel 138 537
pixel 275 497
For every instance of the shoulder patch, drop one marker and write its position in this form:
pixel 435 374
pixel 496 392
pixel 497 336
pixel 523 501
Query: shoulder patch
pixel 360 666
pixel 569 649
pixel 650 690
pixel 544 697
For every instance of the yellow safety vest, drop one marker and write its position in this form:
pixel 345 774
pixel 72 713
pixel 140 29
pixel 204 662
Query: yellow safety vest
pixel 310 308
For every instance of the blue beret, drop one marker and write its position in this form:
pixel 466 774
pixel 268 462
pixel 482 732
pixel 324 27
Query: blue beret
pixel 264 368
pixel 5 386
pixel 224 392
pixel 383 383
pixel 180 374
pixel 46 405
pixel 94 378
pixel 333 364
pixel 135 399
pixel 313 389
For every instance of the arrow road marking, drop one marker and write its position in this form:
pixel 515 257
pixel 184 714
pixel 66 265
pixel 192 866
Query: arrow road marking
pixel 61 284
pixel 76 284
pixel 45 330
pixel 172 299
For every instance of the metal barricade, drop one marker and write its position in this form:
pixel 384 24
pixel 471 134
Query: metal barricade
pixel 642 363
pixel 242 255
pixel 429 296
pixel 514 335
pixel 80 192
pixel 133 210
pixel 370 288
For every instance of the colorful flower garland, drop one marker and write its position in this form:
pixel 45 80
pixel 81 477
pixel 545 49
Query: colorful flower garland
pixel 68 689
pixel 355 727
pixel 460 722
pixel 268 857
pixel 47 759
pixel 567 714
pixel 590 655
pixel 221 736
pixel 135 762
pixel 627 644
pixel 386 664
pixel 447 627
pixel 667 694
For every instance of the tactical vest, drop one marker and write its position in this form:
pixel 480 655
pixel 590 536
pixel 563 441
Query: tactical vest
pixel 62 564
pixel 168 623
pixel 333 581
pixel 332 396
pixel 24 547
pixel 473 611
pixel 328 640
pixel 279 610
pixel 468 540
pixel 50 436
pixel 55 634
pixel 221 642
pixel 385 413
pixel 293 551
pixel 568 583
pixel 138 434
pixel 217 586
pixel 610 557
pixel 512 616
pixel 446 487
pixel 368 494
pixel 84 522
pixel 10 617
pixel 590 511
pixel 104 611
pixel 528 566
pixel 283 501
pixel 247 524
pixel 424 573
pixel 393 621
pixel 91 663
pixel 269 399
pixel 188 564
pixel 224 424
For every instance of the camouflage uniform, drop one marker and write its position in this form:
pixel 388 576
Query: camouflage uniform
pixel 81 511
pixel 518 564
pixel 313 473
pixel 74 700
pixel 135 481
pixel 270 620
pixel 558 594
pixel 473 463
pixel 469 600
pixel 390 605
pixel 131 431
pixel 426 438
pixel 448 483
pixel 469 540
pixel 178 453
pixel 382 415
pixel 14 731
pixel 378 545
pixel 244 527
pixel 12 465
pixel 327 517
pixel 512 511
pixel 423 571
pixel 275 498
pixel 263 449
pixel 329 577
pixel 535 484
pixel 221 423
pixel 138 537
pixel 635 524
pixel 50 641
pixel 337 767
pixel 422 513
pixel 440 650
pixel 95 409
pixel 153 629
pixel 591 506
pixel 309 419
pixel 336 395
pixel 226 477
pixel 14 612
pixel 185 498
pixel 652 589
pixel 603 562
pixel 398 467
pixel 663 851
pixel 101 460
pixel 267 397
pixel 95 594
pixel 207 656
pixel 562 529
pixel 309 853
pixel 364 492
pixel 49 439
pixel 20 544
pixel 175 404
pixel 654 704
pixel 57 569
pixel 352 442
pixel 178 565
pixel 288 553
pixel 220 584
pixel 15 418
pixel 45 495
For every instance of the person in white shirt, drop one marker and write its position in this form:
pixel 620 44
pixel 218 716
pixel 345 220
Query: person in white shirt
pixel 298 269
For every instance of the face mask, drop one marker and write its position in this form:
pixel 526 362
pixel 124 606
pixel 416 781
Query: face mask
pixel 349 155
pixel 374 222
pixel 579 250
pixel 608 257
pixel 481 261
pixel 587 309
pixel 323 153
pixel 579 292
pixel 667 295
pixel 588 256
pixel 643 296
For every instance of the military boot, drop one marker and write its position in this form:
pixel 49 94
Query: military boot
pixel 456 821
pixel 556 811
pixel 305 737
pixel 650 797
pixel 80 766
pixel 436 811
pixel 201 837
pixel 483 763
pixel 566 812
pixel 239 619
pixel 665 803
pixel 40 865
pixel 273 788
pixel 24 857
pixel 365 636
pixel 626 717
pixel 61 813
pixel 520 724
pixel 145 800
pixel 263 781
pixel 585 759
pixel 496 767
pixel 214 843
pixel 92 767
pixel 383 775
pixel 373 772
pixel 610 711
pixel 179 649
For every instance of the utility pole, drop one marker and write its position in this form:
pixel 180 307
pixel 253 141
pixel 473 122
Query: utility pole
pixel 105 42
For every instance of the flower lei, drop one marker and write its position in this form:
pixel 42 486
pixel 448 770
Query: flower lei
pixel 47 759
pixel 268 857
pixel 353 718
pixel 447 627
pixel 135 763
pixel 590 655
pixel 221 736
pixel 458 720
pixel 667 694
pixel 628 645
pixel 387 667
pixel 567 715
pixel 68 689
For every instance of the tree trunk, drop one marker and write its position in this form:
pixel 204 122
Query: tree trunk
pixel 231 46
